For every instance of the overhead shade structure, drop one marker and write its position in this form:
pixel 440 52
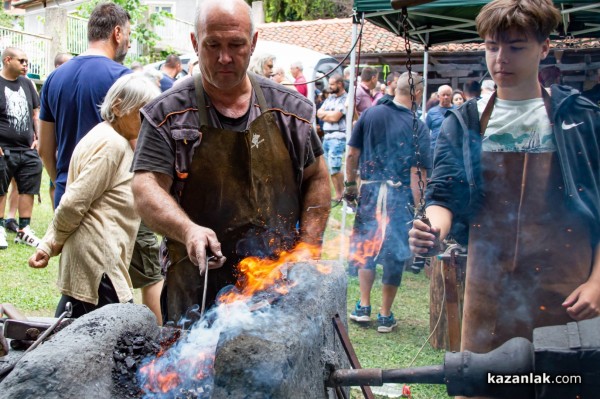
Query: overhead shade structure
pixel 452 21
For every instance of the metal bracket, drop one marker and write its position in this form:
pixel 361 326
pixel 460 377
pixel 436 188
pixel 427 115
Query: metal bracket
pixel 349 349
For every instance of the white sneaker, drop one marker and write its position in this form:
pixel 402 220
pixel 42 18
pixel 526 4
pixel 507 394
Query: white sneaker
pixel 3 243
pixel 27 236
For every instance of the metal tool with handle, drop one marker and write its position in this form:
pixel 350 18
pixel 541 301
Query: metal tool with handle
pixel 67 313
pixel 202 309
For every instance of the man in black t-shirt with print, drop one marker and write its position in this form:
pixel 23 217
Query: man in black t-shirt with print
pixel 19 106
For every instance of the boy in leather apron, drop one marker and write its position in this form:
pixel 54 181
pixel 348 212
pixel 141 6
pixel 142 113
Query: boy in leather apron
pixel 518 173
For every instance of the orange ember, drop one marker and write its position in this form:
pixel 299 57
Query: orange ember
pixel 157 381
pixel 260 274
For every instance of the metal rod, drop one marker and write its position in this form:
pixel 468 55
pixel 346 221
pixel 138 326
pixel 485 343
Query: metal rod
pixel 208 258
pixel 349 349
pixel 378 377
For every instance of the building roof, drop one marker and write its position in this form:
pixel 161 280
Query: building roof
pixel 333 36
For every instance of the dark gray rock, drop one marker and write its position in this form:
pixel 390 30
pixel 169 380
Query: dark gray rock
pixel 77 362
pixel 287 356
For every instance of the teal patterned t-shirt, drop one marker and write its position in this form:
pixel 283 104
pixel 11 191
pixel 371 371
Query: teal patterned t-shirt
pixel 517 126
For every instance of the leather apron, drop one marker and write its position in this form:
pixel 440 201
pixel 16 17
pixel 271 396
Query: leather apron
pixel 242 186
pixel 527 250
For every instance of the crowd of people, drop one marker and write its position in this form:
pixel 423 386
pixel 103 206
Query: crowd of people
pixel 227 163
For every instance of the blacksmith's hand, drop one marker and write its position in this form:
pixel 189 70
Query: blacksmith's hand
pixel 39 259
pixel 351 194
pixel 421 237
pixel 197 240
pixel 584 302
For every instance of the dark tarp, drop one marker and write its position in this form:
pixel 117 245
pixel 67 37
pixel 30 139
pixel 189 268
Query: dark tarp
pixel 445 21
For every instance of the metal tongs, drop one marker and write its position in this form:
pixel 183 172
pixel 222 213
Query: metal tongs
pixel 208 259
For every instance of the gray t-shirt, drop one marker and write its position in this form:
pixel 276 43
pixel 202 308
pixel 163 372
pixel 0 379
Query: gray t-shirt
pixel 172 119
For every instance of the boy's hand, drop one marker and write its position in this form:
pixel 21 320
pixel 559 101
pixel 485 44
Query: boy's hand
pixel 421 238
pixel 584 302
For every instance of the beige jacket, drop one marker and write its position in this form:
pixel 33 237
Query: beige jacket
pixel 95 220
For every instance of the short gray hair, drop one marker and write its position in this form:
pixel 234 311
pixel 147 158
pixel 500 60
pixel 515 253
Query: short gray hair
pixel 488 84
pixel 128 93
pixel 297 64
pixel 205 5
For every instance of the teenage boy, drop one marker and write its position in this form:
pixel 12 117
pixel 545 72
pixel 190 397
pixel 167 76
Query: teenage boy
pixel 519 170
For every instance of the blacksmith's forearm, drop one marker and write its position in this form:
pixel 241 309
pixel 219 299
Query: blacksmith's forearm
pixel 316 203
pixel 157 208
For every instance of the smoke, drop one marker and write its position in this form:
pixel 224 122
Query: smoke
pixel 187 368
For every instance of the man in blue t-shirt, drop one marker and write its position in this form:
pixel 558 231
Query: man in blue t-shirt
pixel 73 93
pixel 382 146
pixel 436 115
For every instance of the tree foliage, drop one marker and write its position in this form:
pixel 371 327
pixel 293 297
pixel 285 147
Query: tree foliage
pixel 8 21
pixel 298 10
pixel 142 20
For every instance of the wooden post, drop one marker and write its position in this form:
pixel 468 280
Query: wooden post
pixel 448 310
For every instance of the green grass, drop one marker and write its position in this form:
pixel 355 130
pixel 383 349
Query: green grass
pixel 34 292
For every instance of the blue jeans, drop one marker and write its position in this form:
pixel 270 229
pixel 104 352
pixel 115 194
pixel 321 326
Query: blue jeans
pixel 334 152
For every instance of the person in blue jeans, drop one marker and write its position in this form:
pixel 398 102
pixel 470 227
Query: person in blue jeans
pixel 333 114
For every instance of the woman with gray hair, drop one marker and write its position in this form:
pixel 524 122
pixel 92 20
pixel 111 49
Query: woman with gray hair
pixel 262 64
pixel 95 226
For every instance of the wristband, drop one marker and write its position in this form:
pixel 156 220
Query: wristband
pixel 349 183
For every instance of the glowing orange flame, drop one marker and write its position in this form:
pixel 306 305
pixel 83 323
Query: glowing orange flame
pixel 159 381
pixel 369 248
pixel 260 274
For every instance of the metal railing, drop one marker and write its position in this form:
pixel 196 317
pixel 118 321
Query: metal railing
pixel 37 48
pixel 175 34
pixel 76 34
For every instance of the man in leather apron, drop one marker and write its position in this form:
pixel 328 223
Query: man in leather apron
pixel 243 173
pixel 515 165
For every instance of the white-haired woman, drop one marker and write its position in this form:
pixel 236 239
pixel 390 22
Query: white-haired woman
pixel 94 227
pixel 262 64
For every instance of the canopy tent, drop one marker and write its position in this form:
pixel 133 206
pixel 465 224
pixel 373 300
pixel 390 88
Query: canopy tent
pixel 453 21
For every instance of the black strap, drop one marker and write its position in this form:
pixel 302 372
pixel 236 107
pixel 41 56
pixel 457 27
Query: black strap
pixel 201 101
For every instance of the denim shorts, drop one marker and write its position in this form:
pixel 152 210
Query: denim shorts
pixel 334 153
pixel 25 167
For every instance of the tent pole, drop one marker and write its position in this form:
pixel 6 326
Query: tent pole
pixel 349 118
pixel 425 97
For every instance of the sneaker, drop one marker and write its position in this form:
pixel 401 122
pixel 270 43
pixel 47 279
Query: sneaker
pixel 386 324
pixel 3 243
pixel 361 314
pixel 11 225
pixel 27 236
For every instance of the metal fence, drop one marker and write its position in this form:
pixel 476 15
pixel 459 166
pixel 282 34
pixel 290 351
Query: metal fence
pixel 76 34
pixel 37 48
pixel 176 35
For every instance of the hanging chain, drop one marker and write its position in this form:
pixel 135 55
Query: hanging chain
pixel 420 207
